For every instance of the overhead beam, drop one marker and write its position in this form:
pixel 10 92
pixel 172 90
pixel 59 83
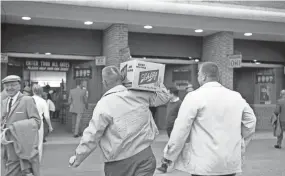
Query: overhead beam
pixel 167 61
pixel 120 12
pixel 52 56
pixel 183 9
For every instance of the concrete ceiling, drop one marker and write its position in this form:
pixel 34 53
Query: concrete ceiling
pixel 253 4
pixel 67 23
pixel 56 15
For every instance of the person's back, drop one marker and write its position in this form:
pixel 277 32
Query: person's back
pixel 123 126
pixel 132 128
pixel 216 133
pixel 39 104
pixel 220 123
pixel 77 97
pixel 281 104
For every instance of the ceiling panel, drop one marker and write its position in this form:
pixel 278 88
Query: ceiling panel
pixel 73 17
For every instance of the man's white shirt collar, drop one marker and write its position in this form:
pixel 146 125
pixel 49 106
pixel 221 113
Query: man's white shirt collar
pixel 15 97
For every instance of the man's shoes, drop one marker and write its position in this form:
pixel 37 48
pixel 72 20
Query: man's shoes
pixel 277 146
pixel 76 136
pixel 28 172
pixel 163 168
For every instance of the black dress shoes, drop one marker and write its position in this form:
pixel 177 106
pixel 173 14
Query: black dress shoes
pixel 76 136
pixel 163 168
pixel 27 172
pixel 277 146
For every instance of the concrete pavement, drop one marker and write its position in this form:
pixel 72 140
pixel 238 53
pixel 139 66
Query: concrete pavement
pixel 262 158
pixel 60 136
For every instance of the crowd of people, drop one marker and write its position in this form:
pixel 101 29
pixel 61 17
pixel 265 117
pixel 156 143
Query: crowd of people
pixel 33 105
pixel 208 130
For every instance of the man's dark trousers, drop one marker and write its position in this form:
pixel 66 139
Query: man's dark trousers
pixel 141 164
pixel 280 138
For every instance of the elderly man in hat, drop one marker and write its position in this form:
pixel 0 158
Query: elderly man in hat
pixel 20 122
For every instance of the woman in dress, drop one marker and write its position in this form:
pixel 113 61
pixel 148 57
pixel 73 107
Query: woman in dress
pixel 43 112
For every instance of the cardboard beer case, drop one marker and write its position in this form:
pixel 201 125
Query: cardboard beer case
pixel 141 75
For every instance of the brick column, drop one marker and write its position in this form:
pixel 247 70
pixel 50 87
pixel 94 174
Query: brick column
pixel 115 42
pixel 216 48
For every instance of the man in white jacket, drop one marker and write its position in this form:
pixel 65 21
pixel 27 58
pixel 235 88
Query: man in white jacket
pixel 219 122
pixel 123 127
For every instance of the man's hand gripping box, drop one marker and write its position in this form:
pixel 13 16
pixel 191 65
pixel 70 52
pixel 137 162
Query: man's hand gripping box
pixel 142 75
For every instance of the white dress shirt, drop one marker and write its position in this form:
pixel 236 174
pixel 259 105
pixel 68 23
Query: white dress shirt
pixel 15 97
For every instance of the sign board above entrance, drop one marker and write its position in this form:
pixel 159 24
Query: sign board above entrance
pixel 47 65
pixel 235 61
pixel 100 60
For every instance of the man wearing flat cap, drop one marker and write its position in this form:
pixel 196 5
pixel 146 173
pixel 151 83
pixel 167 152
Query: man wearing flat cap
pixel 19 116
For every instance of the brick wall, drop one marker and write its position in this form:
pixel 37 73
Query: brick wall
pixel 125 53
pixel 115 39
pixel 216 48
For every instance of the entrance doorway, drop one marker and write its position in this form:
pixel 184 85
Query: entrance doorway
pixel 43 78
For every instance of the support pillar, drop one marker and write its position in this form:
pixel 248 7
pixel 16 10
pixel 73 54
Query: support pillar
pixel 216 48
pixel 115 44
